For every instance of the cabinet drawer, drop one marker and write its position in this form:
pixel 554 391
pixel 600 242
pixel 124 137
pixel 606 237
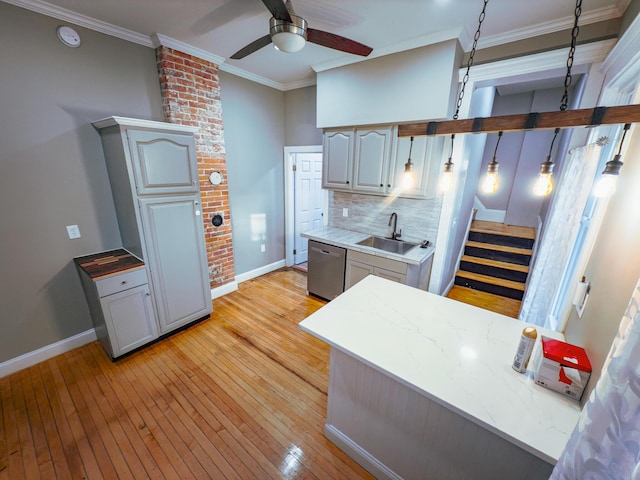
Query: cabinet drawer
pixel 379 262
pixel 121 281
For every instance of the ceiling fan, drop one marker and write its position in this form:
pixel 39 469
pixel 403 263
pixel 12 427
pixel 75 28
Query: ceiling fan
pixel 289 33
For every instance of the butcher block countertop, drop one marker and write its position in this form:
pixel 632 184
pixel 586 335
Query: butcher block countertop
pixel 107 263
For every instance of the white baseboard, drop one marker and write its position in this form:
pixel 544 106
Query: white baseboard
pixel 45 353
pixel 243 277
pixel 224 289
pixel 360 455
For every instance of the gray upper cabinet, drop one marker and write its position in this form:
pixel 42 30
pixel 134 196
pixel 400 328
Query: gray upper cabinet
pixel 337 159
pixel 163 164
pixel 426 156
pixel 153 174
pixel 371 160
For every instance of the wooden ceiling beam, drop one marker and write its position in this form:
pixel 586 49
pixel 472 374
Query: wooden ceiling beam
pixel 586 117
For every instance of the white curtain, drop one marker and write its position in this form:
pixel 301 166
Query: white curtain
pixel 559 234
pixel 606 441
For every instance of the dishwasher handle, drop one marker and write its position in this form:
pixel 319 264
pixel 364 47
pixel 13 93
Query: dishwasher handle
pixel 323 251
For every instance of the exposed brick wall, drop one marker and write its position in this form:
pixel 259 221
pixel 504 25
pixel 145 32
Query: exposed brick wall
pixel 191 96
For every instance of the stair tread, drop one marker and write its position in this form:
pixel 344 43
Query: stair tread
pixel 496 263
pixel 488 301
pixel 501 248
pixel 491 280
pixel 482 226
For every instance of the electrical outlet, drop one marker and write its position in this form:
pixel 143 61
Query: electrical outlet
pixel 263 248
pixel 345 212
pixel 73 231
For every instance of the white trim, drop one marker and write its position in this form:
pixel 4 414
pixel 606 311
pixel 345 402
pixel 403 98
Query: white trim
pixel 594 16
pixel 289 198
pixel 162 40
pixel 63 14
pixel 538 62
pixel 622 64
pixel 488 214
pixel 224 289
pixel 359 454
pixel 243 277
pixel 141 123
pixel 45 353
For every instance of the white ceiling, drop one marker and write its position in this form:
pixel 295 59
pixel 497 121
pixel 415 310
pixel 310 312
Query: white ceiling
pixel 215 29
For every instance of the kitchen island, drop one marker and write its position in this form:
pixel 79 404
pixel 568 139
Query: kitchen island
pixel 421 386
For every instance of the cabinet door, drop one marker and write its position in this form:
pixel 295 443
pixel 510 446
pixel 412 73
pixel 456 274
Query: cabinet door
pixel 177 259
pixel 371 160
pixel 355 272
pixel 129 319
pixel 337 152
pixel 163 163
pixel 427 161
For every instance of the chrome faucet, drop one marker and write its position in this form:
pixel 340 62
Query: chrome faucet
pixel 394 220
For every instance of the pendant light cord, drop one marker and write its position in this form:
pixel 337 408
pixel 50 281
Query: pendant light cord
pixel 626 128
pixel 496 149
pixel 555 134
pixel 572 50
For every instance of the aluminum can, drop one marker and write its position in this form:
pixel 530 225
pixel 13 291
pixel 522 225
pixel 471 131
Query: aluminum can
pixel 525 347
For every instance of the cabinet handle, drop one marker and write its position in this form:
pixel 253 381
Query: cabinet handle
pixel 124 282
pixel 147 294
pixel 381 185
pixel 388 185
pixel 347 182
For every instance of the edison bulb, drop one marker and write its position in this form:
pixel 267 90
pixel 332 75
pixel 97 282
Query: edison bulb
pixel 606 186
pixel 408 180
pixel 544 185
pixel 490 183
pixel 446 182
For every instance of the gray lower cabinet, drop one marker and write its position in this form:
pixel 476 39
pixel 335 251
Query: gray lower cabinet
pixel 359 265
pixel 121 310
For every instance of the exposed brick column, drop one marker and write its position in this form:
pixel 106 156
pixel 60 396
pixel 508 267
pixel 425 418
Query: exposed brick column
pixel 191 96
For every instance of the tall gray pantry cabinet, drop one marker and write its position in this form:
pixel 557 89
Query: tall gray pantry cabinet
pixel 153 173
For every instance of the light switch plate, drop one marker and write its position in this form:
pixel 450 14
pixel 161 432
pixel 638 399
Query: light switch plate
pixel 345 212
pixel 73 231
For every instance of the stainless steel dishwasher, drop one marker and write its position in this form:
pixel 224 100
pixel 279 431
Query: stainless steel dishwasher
pixel 325 271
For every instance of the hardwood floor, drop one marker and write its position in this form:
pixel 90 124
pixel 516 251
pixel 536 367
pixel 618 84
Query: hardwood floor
pixel 488 301
pixel 241 395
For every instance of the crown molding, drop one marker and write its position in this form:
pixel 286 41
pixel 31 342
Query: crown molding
pixel 598 15
pixel 82 20
pixel 587 53
pixel 417 42
pixel 158 40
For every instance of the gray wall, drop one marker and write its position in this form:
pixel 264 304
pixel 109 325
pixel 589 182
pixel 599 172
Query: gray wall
pixel 614 266
pixel 300 118
pixel 253 117
pixel 53 171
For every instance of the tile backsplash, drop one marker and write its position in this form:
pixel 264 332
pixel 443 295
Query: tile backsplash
pixel 418 219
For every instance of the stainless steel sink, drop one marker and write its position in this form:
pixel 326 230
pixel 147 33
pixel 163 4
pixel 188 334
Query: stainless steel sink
pixel 387 244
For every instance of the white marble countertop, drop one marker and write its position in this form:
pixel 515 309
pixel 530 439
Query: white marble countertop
pixel 456 354
pixel 349 239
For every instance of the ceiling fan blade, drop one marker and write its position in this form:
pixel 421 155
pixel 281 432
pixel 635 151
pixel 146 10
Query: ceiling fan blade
pixel 278 9
pixel 252 47
pixel 337 42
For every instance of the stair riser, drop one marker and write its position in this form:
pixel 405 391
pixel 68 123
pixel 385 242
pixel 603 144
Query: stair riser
pixel 516 258
pixel 504 240
pixel 486 287
pixel 496 272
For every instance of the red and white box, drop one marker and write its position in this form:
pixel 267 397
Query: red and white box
pixel 562 367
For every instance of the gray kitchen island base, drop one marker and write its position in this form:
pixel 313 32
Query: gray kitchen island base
pixel 397 433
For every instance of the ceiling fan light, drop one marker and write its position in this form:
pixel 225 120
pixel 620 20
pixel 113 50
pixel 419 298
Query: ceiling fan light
pixel 289 37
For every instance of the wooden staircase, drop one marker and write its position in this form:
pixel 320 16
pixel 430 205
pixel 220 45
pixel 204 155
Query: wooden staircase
pixel 494 267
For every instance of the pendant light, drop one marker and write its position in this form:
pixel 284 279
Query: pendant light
pixel 446 181
pixel 490 183
pixel 606 185
pixel 408 180
pixel 447 178
pixel 544 184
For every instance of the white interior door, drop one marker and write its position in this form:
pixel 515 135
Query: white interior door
pixel 307 200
